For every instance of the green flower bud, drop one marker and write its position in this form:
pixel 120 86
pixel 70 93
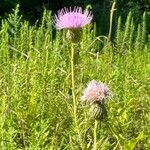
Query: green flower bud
pixel 98 111
pixel 74 35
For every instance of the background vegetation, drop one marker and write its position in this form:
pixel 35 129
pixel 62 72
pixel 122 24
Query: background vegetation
pixel 35 105
pixel 33 9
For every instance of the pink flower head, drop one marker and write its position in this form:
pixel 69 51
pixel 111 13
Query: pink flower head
pixel 95 92
pixel 72 19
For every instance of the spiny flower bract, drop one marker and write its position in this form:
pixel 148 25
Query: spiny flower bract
pixel 72 19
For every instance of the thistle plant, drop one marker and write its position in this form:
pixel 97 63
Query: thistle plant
pixel 73 21
pixel 95 93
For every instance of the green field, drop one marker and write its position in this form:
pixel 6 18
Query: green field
pixel 36 105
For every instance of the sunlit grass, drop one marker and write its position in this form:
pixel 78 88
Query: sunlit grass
pixel 36 107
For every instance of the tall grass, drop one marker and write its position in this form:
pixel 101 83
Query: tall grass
pixel 36 108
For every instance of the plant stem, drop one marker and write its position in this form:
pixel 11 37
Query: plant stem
pixel 111 20
pixel 73 94
pixel 95 135
pixel 73 83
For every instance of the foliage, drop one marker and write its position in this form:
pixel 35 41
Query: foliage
pixel 36 108
pixel 133 37
pixel 33 9
pixel 14 21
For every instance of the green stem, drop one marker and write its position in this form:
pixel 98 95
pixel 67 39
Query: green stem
pixel 95 135
pixel 73 83
pixel 73 94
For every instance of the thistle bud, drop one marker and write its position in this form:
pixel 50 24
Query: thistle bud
pixel 98 111
pixel 74 35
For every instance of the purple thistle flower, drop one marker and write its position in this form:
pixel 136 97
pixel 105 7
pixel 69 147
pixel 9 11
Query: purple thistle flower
pixel 72 19
pixel 95 92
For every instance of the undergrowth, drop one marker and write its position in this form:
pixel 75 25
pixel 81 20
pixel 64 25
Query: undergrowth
pixel 35 103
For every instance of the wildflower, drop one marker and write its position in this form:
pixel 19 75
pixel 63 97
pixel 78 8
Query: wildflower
pixel 73 21
pixel 95 92
pixel 68 19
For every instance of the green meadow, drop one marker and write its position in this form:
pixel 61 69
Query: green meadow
pixel 36 104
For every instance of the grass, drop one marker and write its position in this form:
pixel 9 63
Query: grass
pixel 36 107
